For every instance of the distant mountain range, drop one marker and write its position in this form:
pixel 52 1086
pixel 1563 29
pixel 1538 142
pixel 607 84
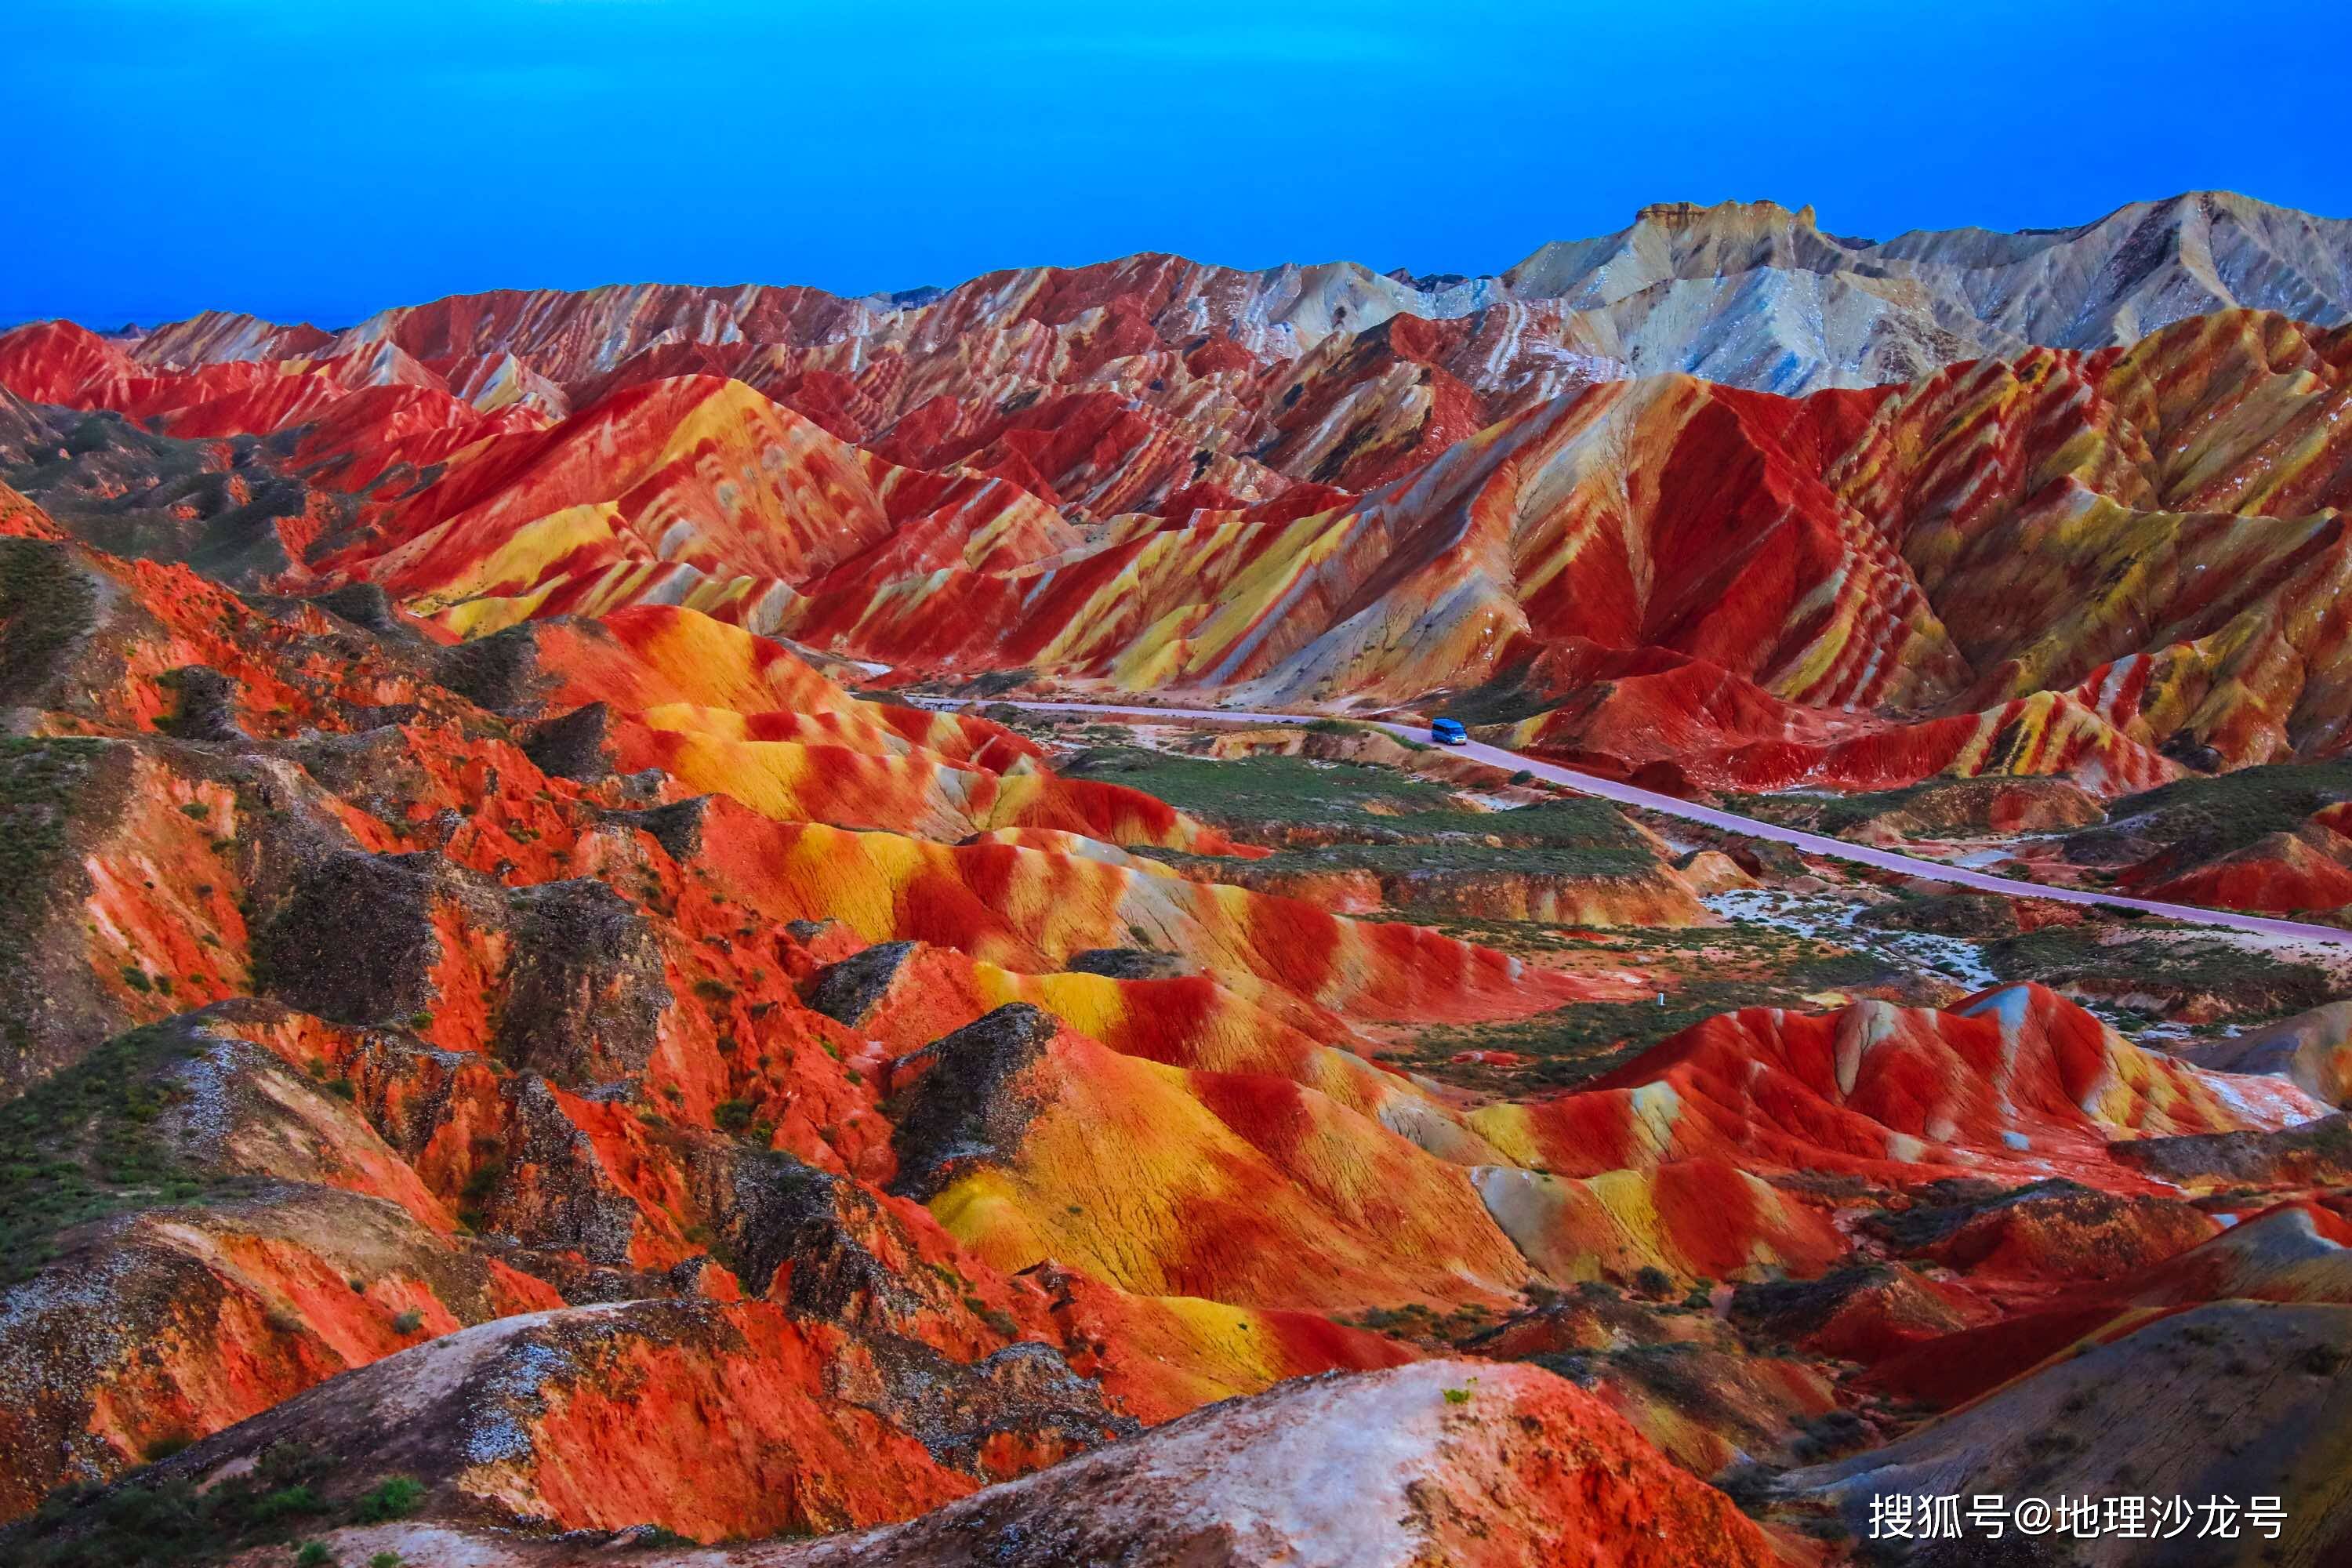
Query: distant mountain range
pixel 1747 294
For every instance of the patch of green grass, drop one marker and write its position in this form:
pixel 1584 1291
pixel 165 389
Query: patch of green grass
pixel 1576 822
pixel 82 1143
pixel 45 604
pixel 2203 818
pixel 2162 966
pixel 1250 790
pixel 1835 815
pixel 1357 817
pixel 1375 819
pixel 1461 858
pixel 38 781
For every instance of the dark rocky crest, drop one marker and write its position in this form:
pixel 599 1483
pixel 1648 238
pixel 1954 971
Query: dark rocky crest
pixel 964 1107
pixel 500 672
pixel 847 991
pixel 584 988
pixel 207 707
pixel 676 826
pixel 354 941
pixel 575 745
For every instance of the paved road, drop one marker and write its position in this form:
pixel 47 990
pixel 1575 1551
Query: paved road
pixel 1668 805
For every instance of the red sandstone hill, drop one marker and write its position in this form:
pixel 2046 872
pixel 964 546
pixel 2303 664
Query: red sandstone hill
pixel 402 1025
pixel 1853 589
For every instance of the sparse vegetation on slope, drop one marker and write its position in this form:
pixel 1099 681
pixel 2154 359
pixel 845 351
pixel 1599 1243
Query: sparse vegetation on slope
pixel 82 1145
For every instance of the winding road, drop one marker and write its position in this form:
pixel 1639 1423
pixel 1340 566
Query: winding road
pixel 1730 822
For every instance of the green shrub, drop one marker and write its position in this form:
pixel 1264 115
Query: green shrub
pixel 170 1525
pixel 396 1496
pixel 314 1554
pixel 483 1181
pixel 287 1502
pixel 408 1322
pixel 92 433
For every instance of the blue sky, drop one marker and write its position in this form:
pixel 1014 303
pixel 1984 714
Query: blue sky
pixel 321 158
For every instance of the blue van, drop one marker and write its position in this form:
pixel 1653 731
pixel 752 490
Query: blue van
pixel 1449 732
